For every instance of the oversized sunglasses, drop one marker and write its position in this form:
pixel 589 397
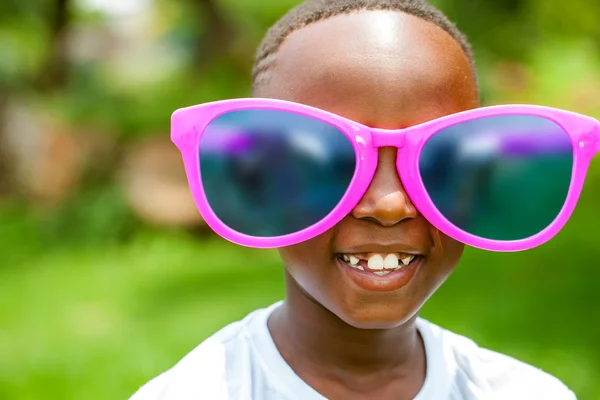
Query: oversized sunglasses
pixel 269 173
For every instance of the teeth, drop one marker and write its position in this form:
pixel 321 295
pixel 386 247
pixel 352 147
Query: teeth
pixel 407 260
pixel 352 261
pixel 376 262
pixel 390 261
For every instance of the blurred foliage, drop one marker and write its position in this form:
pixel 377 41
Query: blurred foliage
pixel 93 303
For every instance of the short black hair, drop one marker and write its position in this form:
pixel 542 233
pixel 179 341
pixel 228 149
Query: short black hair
pixel 311 11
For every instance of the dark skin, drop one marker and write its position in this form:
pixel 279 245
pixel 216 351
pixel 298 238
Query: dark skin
pixel 390 70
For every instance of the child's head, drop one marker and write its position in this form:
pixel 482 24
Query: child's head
pixel 386 64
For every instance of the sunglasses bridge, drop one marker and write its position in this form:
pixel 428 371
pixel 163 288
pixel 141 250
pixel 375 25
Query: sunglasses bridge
pixel 388 137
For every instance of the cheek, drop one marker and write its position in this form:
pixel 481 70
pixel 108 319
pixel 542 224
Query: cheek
pixel 446 255
pixel 308 263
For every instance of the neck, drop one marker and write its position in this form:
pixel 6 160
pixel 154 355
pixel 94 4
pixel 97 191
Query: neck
pixel 310 336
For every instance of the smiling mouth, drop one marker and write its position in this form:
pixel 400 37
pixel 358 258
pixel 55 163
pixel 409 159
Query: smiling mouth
pixel 380 264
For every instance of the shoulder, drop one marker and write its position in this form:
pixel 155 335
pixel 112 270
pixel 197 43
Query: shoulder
pixel 201 371
pixel 204 372
pixel 487 373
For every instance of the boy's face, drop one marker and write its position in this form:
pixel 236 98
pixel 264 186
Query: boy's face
pixel 385 70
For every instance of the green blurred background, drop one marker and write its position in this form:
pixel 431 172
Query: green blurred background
pixel 107 275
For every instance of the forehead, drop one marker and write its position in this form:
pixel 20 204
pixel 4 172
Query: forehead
pixel 382 68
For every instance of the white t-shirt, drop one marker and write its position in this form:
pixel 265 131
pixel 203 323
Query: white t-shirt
pixel 241 362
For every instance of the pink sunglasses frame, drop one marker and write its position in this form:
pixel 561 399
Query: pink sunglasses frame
pixel 188 124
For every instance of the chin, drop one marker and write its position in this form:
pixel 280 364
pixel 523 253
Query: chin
pixel 376 316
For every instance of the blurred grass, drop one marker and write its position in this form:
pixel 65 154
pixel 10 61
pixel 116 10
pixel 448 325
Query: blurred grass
pixel 87 324
pixel 96 322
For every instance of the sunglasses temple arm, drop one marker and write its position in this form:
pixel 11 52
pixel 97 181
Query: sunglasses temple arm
pixel 596 137
pixel 182 131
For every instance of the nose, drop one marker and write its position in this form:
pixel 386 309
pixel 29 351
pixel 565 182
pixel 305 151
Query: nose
pixel 385 201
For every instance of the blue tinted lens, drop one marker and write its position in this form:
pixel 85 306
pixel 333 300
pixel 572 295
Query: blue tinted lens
pixel 269 173
pixel 500 177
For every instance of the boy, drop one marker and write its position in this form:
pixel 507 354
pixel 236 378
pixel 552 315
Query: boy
pixel 342 333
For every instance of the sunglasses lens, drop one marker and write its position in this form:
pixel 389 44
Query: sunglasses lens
pixel 501 177
pixel 269 173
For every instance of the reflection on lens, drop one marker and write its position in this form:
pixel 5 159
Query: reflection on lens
pixel 501 177
pixel 270 173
